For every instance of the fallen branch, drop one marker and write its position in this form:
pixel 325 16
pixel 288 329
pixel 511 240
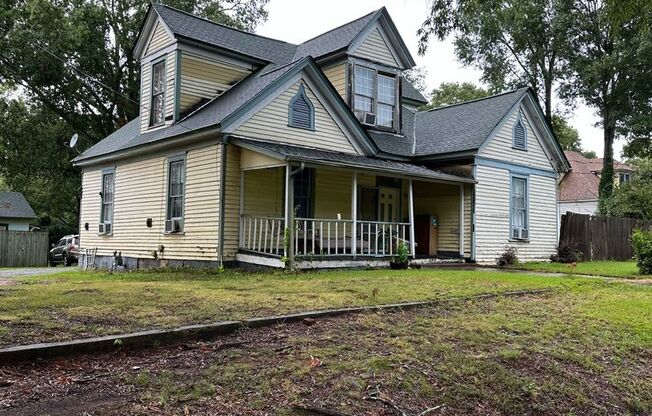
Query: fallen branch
pixel 377 395
pixel 319 410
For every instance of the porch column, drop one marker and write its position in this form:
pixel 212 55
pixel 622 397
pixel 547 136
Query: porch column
pixel 411 213
pixel 462 220
pixel 354 213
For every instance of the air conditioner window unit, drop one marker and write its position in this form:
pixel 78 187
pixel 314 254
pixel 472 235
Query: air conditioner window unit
pixel 520 234
pixel 174 225
pixel 105 228
pixel 366 118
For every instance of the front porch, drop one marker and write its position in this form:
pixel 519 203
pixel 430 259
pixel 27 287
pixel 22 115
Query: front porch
pixel 346 216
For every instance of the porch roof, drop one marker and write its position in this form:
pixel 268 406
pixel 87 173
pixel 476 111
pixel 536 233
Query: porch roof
pixel 290 153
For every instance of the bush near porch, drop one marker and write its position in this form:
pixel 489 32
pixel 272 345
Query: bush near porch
pixel 77 304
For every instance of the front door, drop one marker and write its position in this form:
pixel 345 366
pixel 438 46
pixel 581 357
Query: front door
pixel 388 204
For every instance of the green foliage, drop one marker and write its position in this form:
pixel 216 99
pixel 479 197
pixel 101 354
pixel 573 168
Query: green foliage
pixel 72 62
pixel 402 252
pixel 417 77
pixel 605 188
pixel 642 243
pixel 508 258
pixel 633 199
pixel 589 154
pixel 568 137
pixel 449 93
pixel 513 43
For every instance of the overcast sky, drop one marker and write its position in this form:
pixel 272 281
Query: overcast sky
pixel 296 21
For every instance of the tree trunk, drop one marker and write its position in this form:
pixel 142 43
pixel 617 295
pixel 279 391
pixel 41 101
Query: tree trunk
pixel 607 175
pixel 548 92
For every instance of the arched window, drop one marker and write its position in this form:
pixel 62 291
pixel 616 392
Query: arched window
pixel 301 112
pixel 519 135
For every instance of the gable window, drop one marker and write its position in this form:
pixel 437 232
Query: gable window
pixel 624 178
pixel 176 191
pixel 519 135
pixel 301 111
pixel 157 109
pixel 106 213
pixel 519 208
pixel 374 97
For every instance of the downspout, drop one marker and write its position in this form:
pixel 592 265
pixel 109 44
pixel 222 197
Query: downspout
pixel 222 192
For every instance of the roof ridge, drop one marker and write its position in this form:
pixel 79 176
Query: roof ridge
pixel 473 101
pixel 221 24
pixel 340 26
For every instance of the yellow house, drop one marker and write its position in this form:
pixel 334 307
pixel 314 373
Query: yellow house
pixel 253 150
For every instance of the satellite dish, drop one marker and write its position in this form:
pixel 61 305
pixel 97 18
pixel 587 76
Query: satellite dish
pixel 73 140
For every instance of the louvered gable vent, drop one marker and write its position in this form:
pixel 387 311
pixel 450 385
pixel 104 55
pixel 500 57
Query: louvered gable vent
pixel 519 136
pixel 301 111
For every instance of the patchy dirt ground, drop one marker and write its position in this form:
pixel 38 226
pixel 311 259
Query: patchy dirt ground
pixel 543 354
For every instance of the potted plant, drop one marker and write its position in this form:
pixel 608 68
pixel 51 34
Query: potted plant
pixel 400 259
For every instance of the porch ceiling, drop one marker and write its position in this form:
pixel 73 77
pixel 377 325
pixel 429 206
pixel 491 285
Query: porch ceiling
pixel 290 153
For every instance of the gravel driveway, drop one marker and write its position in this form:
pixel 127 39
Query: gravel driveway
pixel 28 271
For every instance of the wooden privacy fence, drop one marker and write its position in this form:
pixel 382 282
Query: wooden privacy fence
pixel 600 238
pixel 23 248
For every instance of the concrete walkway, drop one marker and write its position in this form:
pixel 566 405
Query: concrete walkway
pixel 7 274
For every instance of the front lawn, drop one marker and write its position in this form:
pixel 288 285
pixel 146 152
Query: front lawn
pixel 75 304
pixel 585 349
pixel 626 269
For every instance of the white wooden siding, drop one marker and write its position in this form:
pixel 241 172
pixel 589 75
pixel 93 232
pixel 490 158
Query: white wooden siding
pixel 492 216
pixel 203 77
pixel 337 76
pixel 159 40
pixel 232 202
pixel 500 146
pixel 140 193
pixel 271 123
pixel 145 88
pixel 375 49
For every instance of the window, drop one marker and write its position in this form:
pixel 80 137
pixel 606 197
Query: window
pixel 157 110
pixel 301 111
pixel 519 209
pixel 4 227
pixel 375 93
pixel 303 187
pixel 106 214
pixel 624 178
pixel 519 135
pixel 176 189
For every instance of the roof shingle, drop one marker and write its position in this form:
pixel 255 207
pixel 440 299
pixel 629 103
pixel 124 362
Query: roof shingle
pixel 14 205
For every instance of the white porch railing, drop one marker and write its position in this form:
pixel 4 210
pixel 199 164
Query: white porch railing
pixel 262 234
pixel 323 237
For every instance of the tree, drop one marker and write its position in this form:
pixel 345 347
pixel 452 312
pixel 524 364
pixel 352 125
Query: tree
pixel 516 43
pixel 449 93
pixel 568 137
pixel 604 64
pixel 417 77
pixel 633 199
pixel 72 61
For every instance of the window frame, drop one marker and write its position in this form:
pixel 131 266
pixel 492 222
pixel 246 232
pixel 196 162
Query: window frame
pixel 104 174
pixel 526 209
pixel 519 120
pixel 624 177
pixel 311 174
pixel 162 93
pixel 301 93
pixel 377 72
pixel 170 160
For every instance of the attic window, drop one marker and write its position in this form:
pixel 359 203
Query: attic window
pixel 301 111
pixel 157 110
pixel 519 135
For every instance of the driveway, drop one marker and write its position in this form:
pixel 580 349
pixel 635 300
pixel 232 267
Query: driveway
pixel 7 274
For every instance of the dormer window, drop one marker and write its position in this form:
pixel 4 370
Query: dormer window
pixel 157 110
pixel 301 112
pixel 375 97
pixel 519 135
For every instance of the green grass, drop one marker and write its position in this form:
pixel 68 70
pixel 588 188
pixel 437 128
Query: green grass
pixel 582 350
pixel 76 304
pixel 596 268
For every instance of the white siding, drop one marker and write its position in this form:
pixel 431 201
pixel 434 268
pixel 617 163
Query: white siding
pixel 14 224
pixel 500 146
pixel 159 40
pixel 271 123
pixel 374 48
pixel 585 207
pixel 492 216
pixel 140 193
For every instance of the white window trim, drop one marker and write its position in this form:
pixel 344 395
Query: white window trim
pixel 151 123
pixel 374 100
pixel 525 178
pixel 102 220
pixel 169 161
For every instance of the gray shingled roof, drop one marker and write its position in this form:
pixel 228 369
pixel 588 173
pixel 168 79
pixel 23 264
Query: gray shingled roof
pixel 193 27
pixel 211 114
pixel 304 154
pixel 14 205
pixel 412 93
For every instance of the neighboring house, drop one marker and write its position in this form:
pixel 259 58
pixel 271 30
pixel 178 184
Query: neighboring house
pixel 578 190
pixel 240 135
pixel 15 212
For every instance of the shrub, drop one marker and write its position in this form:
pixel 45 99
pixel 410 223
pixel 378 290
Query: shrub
pixel 642 243
pixel 402 252
pixel 508 258
pixel 566 253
